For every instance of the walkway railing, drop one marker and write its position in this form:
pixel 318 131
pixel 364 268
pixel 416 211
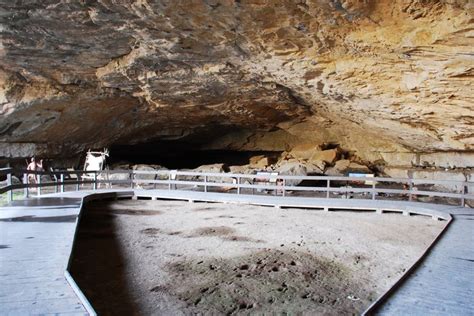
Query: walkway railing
pixel 314 186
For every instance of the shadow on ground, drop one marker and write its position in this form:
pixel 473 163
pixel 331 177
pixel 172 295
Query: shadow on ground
pixel 98 263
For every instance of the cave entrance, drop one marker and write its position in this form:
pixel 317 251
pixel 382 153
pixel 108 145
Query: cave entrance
pixel 178 156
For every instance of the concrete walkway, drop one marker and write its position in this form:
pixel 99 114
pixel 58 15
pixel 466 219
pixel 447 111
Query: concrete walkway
pixel 443 284
pixel 36 239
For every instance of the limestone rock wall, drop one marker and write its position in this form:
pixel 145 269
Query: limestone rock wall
pixel 389 80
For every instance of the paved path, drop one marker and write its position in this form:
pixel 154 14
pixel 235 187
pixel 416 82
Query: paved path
pixel 444 282
pixel 36 238
pixel 35 244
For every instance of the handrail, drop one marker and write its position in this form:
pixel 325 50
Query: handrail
pixel 366 185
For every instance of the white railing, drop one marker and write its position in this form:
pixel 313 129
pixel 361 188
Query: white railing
pixel 316 186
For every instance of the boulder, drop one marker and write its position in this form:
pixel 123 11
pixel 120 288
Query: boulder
pixel 119 176
pixel 259 162
pixel 143 167
pixel 328 156
pixel 212 168
pixel 245 169
pixel 339 169
pixel 15 180
pixel 314 168
pixel 293 169
pixel 356 167
pixel 120 166
pixel 304 151
pixel 343 167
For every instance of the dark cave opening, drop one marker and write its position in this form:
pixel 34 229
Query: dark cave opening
pixel 176 155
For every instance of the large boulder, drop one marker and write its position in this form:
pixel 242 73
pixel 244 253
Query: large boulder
pixel 292 169
pixel 244 169
pixel 259 162
pixel 123 176
pixel 143 167
pixel 343 167
pixel 304 151
pixel 328 156
pixel 212 168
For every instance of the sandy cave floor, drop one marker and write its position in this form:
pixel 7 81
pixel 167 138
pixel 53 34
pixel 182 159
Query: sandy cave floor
pixel 171 258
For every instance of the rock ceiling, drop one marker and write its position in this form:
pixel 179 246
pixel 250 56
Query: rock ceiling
pixel 373 76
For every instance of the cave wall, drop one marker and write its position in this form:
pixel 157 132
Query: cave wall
pixel 389 80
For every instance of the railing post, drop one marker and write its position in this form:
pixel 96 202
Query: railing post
pixel 25 181
pixel 464 191
pixel 38 177
pixel 61 178
pixel 373 190
pixel 205 183
pixel 169 180
pixel 132 176
pixel 283 192
pixel 10 192
pixel 328 187
pixel 276 184
pixel 238 184
pixel 410 187
pixel 94 186
pixel 56 187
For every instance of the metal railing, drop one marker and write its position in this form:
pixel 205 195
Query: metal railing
pixel 315 186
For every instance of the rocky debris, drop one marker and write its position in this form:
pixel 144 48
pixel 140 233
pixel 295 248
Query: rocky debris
pixel 327 156
pixel 245 169
pixel 304 151
pixel 119 176
pixel 259 162
pixel 15 180
pixel 143 167
pixel 344 166
pixel 292 169
pixel 212 168
pixel 120 166
pixel 388 76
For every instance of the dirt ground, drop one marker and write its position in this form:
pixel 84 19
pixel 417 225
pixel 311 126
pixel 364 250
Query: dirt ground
pixel 179 258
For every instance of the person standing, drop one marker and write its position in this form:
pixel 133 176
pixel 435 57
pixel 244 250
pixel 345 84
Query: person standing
pixel 34 166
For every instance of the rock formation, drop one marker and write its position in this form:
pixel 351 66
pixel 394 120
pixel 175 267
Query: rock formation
pixel 390 81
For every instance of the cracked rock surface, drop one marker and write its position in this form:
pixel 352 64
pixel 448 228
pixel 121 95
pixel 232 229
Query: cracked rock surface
pixel 377 77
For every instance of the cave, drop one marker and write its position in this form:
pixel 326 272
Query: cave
pixel 171 157
pixel 252 90
pixel 383 83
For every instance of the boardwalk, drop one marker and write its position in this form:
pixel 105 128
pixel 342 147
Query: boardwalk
pixel 35 244
pixel 444 283
pixel 36 238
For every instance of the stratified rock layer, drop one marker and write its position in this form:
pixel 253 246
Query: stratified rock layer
pixel 380 78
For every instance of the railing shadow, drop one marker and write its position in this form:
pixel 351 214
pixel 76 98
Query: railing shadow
pixel 99 264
